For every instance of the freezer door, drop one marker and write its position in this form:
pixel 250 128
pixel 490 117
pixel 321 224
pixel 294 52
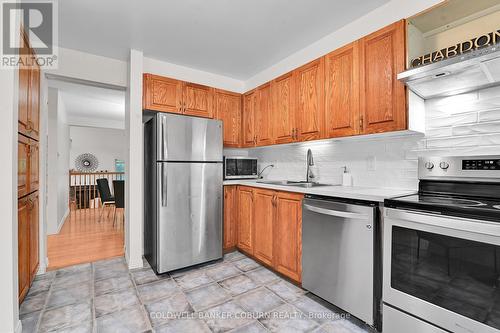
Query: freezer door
pixel 189 214
pixel 182 138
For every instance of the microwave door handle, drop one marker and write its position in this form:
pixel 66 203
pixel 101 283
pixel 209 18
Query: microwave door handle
pixel 336 213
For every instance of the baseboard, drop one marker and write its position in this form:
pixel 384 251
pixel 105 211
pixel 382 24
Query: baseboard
pixel 42 269
pixel 19 327
pixel 61 223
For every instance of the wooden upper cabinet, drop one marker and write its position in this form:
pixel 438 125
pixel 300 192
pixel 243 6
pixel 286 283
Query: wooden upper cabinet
pixel 198 100
pixel 23 260
pixel 24 101
pixel 248 123
pixel 33 206
pixel 228 109
pixel 34 103
pixel 342 91
pixel 263 116
pixel 23 160
pixel 284 111
pixel 310 101
pixel 288 235
pixel 230 212
pixel 162 94
pixel 34 171
pixel 383 97
pixel 264 202
pixel 245 218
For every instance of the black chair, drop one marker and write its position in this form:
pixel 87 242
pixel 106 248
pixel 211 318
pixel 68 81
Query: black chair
pixel 105 195
pixel 119 191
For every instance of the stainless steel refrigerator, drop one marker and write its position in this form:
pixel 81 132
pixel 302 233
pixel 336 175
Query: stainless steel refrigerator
pixel 183 172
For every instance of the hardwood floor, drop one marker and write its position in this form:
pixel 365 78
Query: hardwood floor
pixel 83 239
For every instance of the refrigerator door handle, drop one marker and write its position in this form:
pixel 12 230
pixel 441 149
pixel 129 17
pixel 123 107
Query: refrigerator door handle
pixel 164 181
pixel 163 138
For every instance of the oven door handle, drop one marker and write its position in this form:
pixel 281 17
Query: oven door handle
pixel 336 213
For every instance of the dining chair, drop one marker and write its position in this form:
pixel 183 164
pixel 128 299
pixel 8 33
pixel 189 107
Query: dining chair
pixel 107 199
pixel 119 194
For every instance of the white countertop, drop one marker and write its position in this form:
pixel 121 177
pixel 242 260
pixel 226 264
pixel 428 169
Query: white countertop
pixel 349 192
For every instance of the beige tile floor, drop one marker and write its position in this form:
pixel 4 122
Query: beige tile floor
pixel 232 295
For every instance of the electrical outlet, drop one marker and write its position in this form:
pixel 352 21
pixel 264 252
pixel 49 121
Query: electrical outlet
pixel 371 163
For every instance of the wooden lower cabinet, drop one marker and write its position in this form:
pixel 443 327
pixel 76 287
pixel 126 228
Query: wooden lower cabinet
pixel 269 225
pixel 27 241
pixel 23 247
pixel 264 203
pixel 33 206
pixel 288 235
pixel 245 218
pixel 230 215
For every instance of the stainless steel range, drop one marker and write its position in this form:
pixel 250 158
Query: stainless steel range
pixel 442 249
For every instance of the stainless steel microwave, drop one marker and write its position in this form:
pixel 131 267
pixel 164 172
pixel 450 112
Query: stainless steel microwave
pixel 240 167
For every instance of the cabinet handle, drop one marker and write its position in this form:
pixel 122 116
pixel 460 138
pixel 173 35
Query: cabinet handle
pixel 361 123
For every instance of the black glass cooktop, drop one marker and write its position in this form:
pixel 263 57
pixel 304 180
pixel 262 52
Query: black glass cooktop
pixel 471 207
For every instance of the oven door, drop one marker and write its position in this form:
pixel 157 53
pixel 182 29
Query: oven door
pixel 443 270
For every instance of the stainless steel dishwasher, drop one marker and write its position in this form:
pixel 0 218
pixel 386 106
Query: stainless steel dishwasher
pixel 338 242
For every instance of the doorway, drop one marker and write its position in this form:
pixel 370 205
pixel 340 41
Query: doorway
pixel 85 173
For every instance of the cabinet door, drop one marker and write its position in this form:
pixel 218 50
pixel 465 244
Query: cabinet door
pixel 310 106
pixel 284 111
pixel 383 101
pixel 288 235
pixel 33 234
pixel 34 103
pixel 162 94
pixel 23 103
pixel 342 91
pixel 264 202
pixel 228 109
pixel 263 116
pixel 248 126
pixel 230 211
pixel 198 100
pixel 23 238
pixel 23 149
pixel 34 158
pixel 245 219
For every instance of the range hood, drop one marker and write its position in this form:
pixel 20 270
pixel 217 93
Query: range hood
pixel 475 70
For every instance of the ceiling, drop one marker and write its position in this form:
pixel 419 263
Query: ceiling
pixel 91 106
pixel 449 12
pixel 234 38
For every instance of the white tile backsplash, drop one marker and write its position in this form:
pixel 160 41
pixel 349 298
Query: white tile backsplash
pixel 467 124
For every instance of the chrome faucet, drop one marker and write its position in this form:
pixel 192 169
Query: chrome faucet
pixel 309 164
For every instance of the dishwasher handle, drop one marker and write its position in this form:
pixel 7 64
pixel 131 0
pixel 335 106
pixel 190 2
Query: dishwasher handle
pixel 336 213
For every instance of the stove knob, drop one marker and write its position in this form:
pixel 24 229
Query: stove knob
pixel 429 165
pixel 444 165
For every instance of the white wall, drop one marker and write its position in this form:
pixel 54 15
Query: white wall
pixel 85 66
pixel 192 75
pixel 134 163
pixel 389 13
pixel 58 163
pixel 467 124
pixel 9 311
pixel 104 143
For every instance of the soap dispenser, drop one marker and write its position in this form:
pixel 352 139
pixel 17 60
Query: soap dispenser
pixel 346 177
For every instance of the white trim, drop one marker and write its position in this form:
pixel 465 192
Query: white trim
pixel 19 327
pixel 61 222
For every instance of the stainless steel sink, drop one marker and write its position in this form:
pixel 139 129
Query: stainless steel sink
pixel 278 182
pixel 307 185
pixel 293 183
